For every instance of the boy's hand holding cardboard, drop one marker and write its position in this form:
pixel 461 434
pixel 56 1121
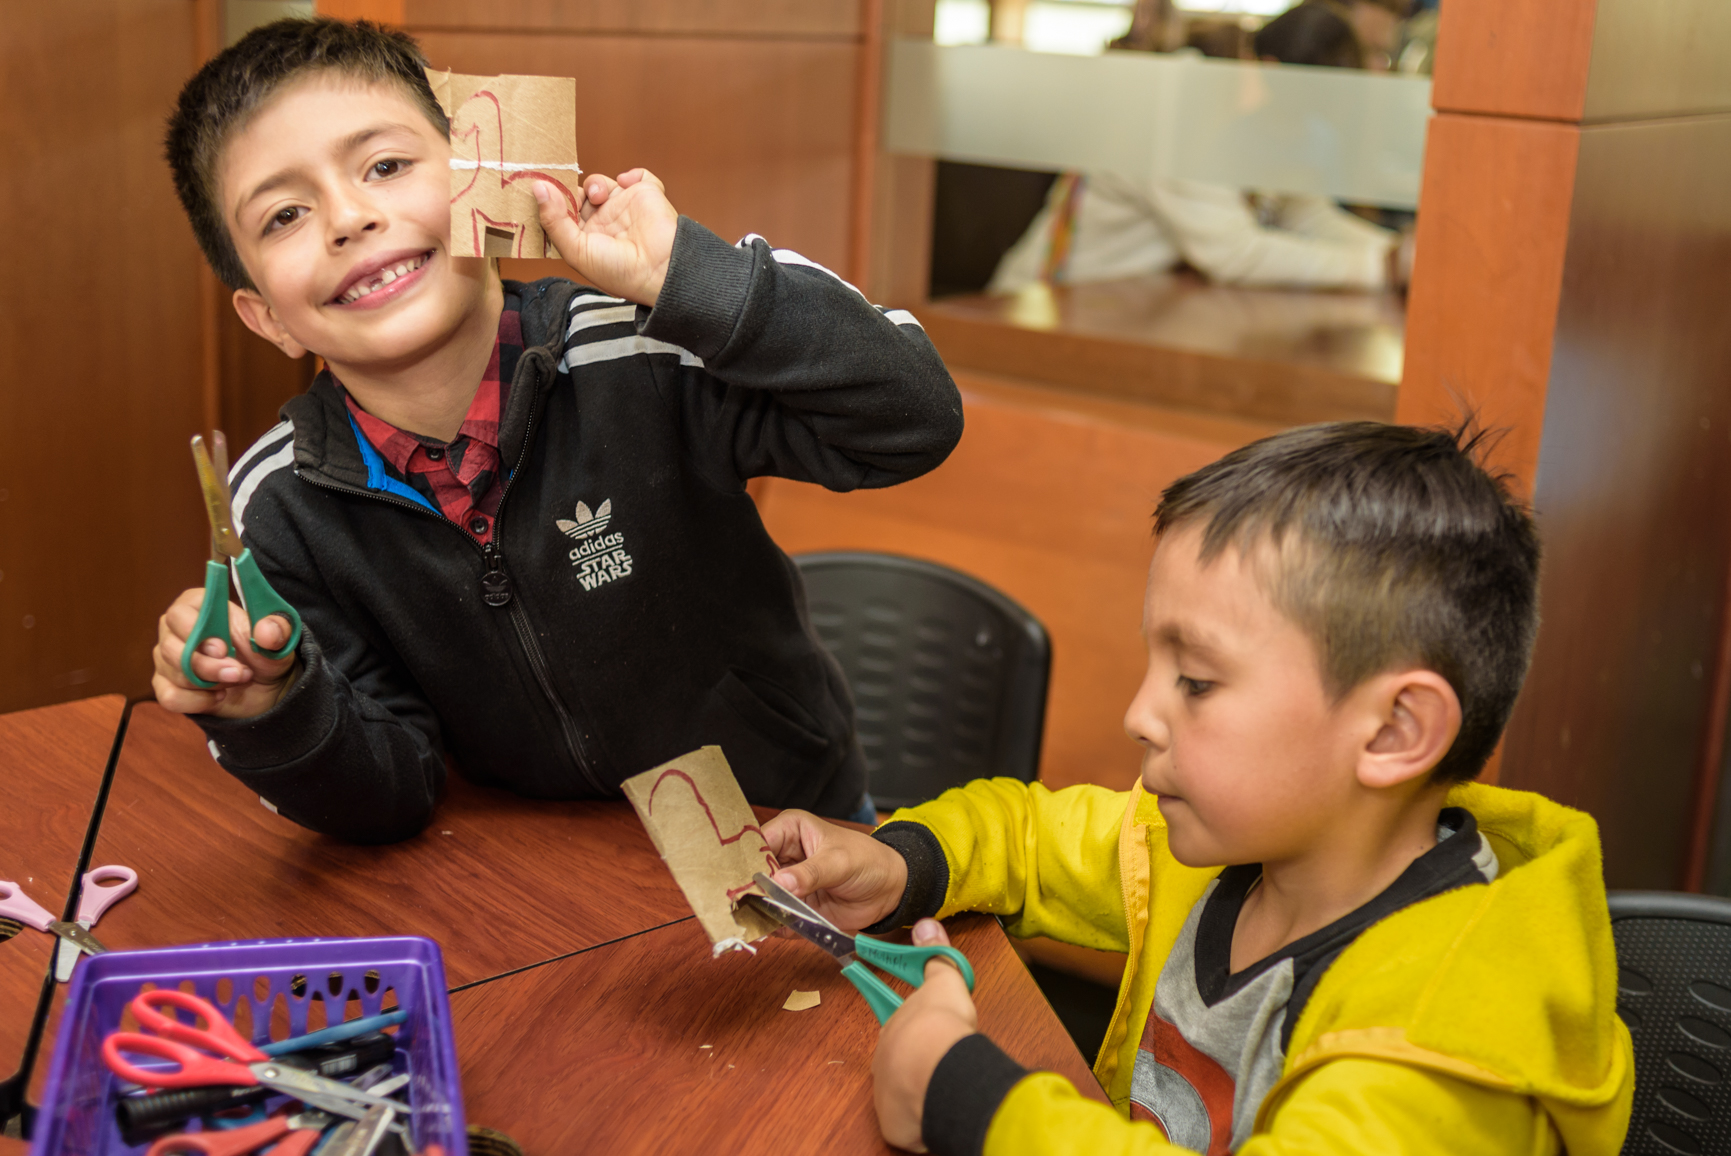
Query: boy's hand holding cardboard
pixel 939 1014
pixel 513 172
pixel 622 239
pixel 847 876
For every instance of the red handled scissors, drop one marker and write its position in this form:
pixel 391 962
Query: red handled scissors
pixel 294 1135
pixel 245 1065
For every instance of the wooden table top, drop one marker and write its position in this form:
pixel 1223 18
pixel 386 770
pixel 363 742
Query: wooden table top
pixel 581 982
pixel 648 1045
pixel 499 881
pixel 55 757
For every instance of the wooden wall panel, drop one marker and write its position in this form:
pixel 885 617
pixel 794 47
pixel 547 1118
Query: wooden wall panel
pixel 1526 58
pixel 100 348
pixel 1634 496
pixel 749 135
pixel 836 18
pixel 892 251
pixel 1583 60
pixel 1652 60
pixel 1050 498
pixel 1487 277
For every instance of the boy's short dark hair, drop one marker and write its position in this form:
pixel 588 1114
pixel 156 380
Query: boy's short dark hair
pixel 1391 544
pixel 234 84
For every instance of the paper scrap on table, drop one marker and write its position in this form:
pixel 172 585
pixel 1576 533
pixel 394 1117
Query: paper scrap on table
pixel 507 132
pixel 706 834
pixel 800 1000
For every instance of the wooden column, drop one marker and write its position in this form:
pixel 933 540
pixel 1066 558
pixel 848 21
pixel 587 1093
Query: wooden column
pixel 104 350
pixel 1573 251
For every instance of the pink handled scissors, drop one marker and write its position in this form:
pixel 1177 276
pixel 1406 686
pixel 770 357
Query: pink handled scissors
pixel 96 899
pixel 101 889
pixel 244 1066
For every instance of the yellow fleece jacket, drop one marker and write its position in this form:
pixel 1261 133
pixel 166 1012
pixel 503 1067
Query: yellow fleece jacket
pixel 1480 1020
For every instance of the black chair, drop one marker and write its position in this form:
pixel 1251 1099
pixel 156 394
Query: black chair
pixel 948 675
pixel 1674 992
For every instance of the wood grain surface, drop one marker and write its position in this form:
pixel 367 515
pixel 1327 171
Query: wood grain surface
pixel 100 519
pixel 1487 278
pixel 499 881
pixel 1522 60
pixel 1174 340
pixel 1634 484
pixel 780 18
pixel 1049 497
pixel 54 758
pixel 605 1051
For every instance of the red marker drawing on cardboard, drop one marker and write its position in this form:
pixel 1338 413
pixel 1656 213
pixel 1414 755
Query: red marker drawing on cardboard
pixel 506 131
pixel 691 829
pixel 697 793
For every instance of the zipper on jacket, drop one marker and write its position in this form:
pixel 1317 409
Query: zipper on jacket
pixel 496 592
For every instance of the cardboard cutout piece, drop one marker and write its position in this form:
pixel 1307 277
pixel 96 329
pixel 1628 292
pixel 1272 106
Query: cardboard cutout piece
pixel 708 837
pixel 801 1000
pixel 507 131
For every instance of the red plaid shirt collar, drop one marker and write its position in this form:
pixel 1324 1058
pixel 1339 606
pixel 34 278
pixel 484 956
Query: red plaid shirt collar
pixel 462 477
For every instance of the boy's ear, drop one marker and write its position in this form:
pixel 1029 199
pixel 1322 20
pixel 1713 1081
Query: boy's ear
pixel 262 320
pixel 1420 717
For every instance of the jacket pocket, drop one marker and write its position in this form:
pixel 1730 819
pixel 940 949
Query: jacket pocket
pixel 773 743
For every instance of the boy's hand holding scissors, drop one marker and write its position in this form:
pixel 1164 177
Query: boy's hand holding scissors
pixel 853 880
pixel 248 684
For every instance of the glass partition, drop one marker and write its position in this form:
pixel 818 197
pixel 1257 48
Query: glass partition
pixel 1355 136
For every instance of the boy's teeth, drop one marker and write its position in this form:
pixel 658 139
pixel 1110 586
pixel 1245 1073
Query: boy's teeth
pixel 383 279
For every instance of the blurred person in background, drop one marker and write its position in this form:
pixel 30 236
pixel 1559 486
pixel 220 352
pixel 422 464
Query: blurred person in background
pixel 1104 227
pixel 1418 40
pixel 1377 24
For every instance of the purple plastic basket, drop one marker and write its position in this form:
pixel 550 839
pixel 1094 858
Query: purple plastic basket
pixel 77 1115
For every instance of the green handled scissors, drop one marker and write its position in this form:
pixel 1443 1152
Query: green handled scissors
pixel 226 553
pixel 853 952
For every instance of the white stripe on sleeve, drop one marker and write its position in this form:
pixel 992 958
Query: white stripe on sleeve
pixel 789 257
pixel 611 315
pixel 620 347
pixel 586 300
pixel 259 447
pixel 282 459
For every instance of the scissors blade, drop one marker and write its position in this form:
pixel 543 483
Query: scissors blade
pixel 313 1089
pixel 366 1136
pixel 78 936
pixel 224 542
pixel 66 954
pixel 781 906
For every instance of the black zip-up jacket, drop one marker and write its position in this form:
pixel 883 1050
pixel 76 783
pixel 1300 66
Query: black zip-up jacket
pixel 631 606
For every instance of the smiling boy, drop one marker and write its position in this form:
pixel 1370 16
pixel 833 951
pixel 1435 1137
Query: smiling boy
pixel 513 517
pixel 1337 943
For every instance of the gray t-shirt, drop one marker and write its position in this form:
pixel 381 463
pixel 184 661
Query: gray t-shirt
pixel 1215 1042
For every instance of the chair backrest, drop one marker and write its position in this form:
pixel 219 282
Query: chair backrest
pixel 948 675
pixel 1674 992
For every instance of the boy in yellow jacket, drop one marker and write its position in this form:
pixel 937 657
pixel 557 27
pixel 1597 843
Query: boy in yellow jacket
pixel 1338 943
